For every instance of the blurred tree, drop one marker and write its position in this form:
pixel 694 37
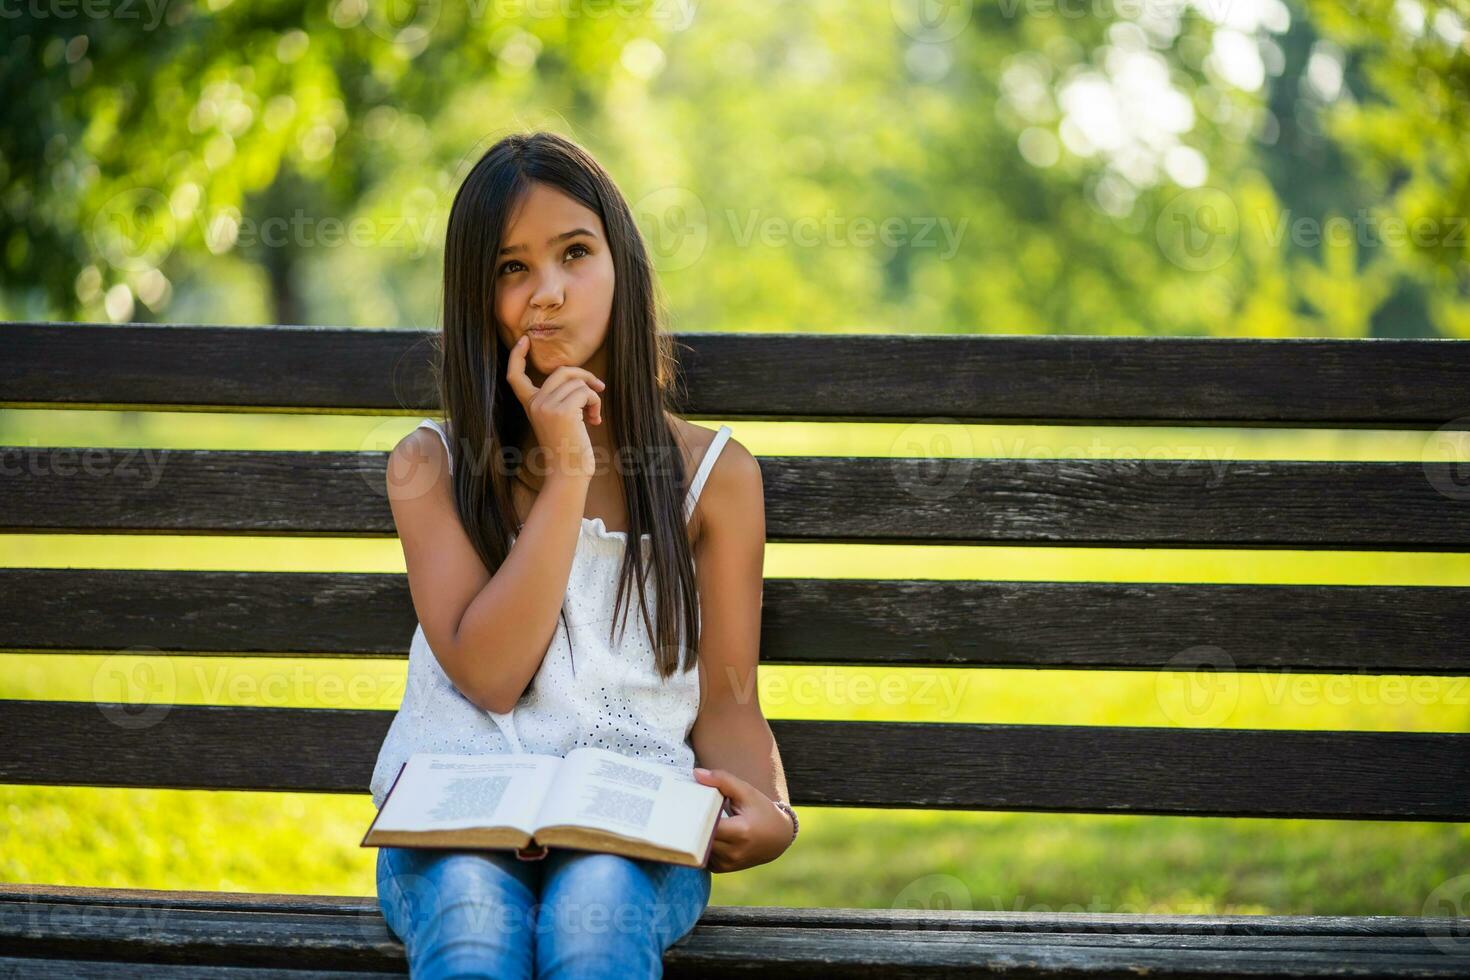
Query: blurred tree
pixel 1390 80
pixel 1008 166
pixel 185 139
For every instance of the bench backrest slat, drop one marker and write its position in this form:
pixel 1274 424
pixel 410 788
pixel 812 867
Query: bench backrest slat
pixel 1219 772
pixel 1119 625
pixel 1134 503
pixel 1128 503
pixel 1384 383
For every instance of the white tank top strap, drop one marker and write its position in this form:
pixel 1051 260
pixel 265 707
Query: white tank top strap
pixel 705 465
pixel 700 475
pixel 443 438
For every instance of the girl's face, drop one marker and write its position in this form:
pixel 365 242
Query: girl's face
pixel 554 266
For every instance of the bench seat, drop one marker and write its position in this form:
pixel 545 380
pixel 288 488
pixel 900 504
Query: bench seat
pixel 49 930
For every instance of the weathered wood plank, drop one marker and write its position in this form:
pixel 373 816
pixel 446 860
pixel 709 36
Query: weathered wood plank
pixel 949 919
pixel 1057 768
pixel 863 377
pixel 23 968
pixel 1327 628
pixel 363 942
pixel 209 368
pixel 1125 503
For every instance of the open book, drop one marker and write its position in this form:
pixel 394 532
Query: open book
pixel 592 800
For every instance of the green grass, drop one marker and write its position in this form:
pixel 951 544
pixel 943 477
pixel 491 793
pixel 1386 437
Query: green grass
pixel 308 843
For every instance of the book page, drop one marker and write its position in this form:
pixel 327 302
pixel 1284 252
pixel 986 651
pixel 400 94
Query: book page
pixel 601 789
pixel 455 792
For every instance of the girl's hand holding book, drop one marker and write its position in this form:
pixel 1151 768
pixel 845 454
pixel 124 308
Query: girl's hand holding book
pixel 757 833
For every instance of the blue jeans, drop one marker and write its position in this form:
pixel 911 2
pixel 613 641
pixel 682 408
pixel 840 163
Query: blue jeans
pixel 573 914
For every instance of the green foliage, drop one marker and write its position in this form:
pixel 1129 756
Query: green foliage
pixel 1027 168
pixel 1403 121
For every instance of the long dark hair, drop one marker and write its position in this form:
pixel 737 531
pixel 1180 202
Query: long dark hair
pixel 488 422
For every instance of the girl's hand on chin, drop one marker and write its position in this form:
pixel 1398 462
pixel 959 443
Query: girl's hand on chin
pixel 559 410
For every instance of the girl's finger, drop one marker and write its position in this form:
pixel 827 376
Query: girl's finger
pixel 515 371
pixel 586 398
pixel 732 829
pixel 740 793
pixel 567 373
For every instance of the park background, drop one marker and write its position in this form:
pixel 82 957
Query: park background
pixel 1182 167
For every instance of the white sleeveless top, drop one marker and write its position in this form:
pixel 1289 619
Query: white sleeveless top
pixel 586 692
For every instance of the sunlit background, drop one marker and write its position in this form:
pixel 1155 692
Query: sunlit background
pixel 1214 167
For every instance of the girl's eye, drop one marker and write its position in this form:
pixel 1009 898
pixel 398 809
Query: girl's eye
pixel 585 251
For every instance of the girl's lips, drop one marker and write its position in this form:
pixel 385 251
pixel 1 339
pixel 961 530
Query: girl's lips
pixel 542 331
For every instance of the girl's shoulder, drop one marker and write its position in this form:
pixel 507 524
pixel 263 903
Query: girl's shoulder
pixel 732 486
pixel 418 447
pixel 694 440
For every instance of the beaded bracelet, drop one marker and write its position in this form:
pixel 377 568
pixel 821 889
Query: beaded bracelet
pixel 786 809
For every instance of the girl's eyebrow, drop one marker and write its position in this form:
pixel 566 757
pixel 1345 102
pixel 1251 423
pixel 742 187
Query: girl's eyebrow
pixel 550 241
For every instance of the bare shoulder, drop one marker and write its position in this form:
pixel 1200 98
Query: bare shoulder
pixel 415 465
pixel 694 441
pixel 733 497
pixel 418 447
pixel 419 443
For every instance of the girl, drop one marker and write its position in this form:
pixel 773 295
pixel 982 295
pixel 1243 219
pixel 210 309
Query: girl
pixel 554 383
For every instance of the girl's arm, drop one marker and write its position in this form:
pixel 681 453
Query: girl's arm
pixel 731 735
pixel 489 634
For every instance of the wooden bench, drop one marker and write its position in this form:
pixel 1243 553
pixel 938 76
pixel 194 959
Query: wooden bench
pixel 65 931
